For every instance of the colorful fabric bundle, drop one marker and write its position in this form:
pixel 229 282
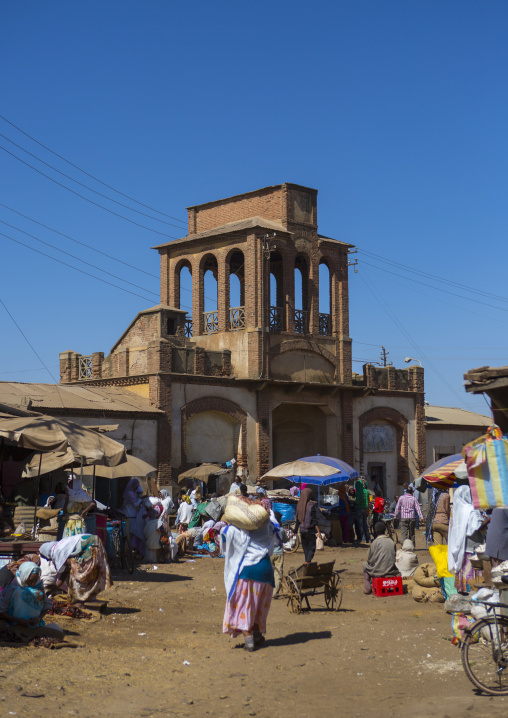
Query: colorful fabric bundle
pixel 487 468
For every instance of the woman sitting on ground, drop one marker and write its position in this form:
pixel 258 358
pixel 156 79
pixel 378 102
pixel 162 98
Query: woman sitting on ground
pixel 80 563
pixel 23 601
pixel 8 572
pixel 406 559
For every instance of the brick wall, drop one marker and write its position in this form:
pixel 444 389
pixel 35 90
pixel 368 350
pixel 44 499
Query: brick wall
pixel 400 423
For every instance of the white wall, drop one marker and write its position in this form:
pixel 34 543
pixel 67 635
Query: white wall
pixel 448 441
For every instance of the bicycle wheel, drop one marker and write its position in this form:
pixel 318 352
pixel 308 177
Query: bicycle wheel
pixel 126 556
pixel 485 655
pixel 117 545
pixel 293 542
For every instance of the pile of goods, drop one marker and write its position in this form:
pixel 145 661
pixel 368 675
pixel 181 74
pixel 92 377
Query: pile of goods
pixel 65 609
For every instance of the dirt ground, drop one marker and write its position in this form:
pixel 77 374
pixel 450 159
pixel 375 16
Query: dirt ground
pixel 159 650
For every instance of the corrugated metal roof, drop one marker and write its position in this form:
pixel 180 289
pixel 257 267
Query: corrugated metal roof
pixel 436 415
pixel 42 397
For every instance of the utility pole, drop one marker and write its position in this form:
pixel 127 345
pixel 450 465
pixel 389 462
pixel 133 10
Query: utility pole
pixel 383 356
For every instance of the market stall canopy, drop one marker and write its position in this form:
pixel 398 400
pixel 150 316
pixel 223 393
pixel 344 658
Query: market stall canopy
pixel 45 433
pixel 54 460
pixel 295 471
pixel 202 472
pixel 343 471
pixel 133 466
pixel 444 473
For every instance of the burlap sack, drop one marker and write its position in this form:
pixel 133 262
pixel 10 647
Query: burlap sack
pixel 425 575
pixel 422 595
pixel 239 513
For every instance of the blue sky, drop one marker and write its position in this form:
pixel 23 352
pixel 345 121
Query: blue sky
pixel 396 112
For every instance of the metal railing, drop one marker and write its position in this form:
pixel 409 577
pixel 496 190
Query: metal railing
pixel 276 319
pixel 211 321
pixel 85 367
pixel 325 324
pixel 187 330
pixel 301 321
pixel 237 318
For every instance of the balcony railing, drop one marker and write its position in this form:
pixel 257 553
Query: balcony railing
pixel 211 322
pixel 85 367
pixel 276 319
pixel 325 324
pixel 237 318
pixel 301 321
pixel 187 330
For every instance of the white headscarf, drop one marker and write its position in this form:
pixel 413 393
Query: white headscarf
pixel 77 493
pixel 465 521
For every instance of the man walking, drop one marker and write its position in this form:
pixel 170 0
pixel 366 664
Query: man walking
pixel 407 508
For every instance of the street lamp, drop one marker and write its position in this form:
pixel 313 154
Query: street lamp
pixel 408 359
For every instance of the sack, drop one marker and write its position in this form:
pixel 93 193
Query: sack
pixel 487 469
pixel 214 510
pixel 425 575
pixel 320 544
pixel 248 517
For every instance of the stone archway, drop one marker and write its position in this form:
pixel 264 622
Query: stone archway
pixel 400 424
pixel 215 405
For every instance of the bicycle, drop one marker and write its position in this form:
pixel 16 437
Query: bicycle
pixel 484 651
pixel 121 544
pixel 293 542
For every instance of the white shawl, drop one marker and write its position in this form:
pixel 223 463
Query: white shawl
pixel 465 521
pixel 245 548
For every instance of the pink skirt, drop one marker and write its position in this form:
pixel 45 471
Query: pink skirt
pixel 248 607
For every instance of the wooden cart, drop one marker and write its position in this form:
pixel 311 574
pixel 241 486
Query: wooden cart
pixel 313 579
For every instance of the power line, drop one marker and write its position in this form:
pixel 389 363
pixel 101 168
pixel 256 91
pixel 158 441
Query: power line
pixel 73 256
pixel 413 343
pixel 88 174
pixel 434 277
pixel 27 341
pixel 439 289
pixel 155 231
pixel 82 271
pixel 83 244
pixel 90 189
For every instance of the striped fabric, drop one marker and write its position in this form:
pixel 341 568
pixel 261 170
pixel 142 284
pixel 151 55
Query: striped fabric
pixel 407 507
pixel 488 479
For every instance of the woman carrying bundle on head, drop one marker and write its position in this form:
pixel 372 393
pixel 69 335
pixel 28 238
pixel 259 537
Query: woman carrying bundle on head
pixel 248 572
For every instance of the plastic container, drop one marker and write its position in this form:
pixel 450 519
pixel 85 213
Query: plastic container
pixel 387 586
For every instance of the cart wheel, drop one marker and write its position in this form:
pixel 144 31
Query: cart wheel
pixel 333 593
pixel 293 601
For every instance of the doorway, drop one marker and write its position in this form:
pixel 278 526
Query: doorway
pixel 377 472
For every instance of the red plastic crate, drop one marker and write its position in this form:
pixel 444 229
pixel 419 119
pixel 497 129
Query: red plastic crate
pixel 387 586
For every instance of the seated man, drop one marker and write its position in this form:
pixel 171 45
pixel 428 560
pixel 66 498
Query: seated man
pixel 380 559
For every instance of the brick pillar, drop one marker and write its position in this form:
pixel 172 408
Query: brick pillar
pixel 348 454
pixel 222 292
pixel 226 363
pixel 75 366
pixel 263 432
pixel 173 293
pixel 391 378
pixel 123 362
pixel 313 294
pixel 251 281
pixel 255 352
pixel 165 279
pixel 198 298
pixel 97 359
pixel 66 364
pixel 370 376
pixel 341 318
pixel 160 396
pixel 288 261
pixel 199 360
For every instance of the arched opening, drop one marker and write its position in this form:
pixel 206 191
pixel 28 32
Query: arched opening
pixel 325 299
pixel 301 295
pixel 237 290
pixel 276 322
pixel 210 291
pixel 184 293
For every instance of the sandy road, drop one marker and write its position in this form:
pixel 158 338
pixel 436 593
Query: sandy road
pixel 374 657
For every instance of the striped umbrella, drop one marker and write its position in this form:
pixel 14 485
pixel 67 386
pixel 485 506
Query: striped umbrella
pixel 445 472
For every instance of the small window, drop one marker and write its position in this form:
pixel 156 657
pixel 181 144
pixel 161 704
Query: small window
pixel 171 326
